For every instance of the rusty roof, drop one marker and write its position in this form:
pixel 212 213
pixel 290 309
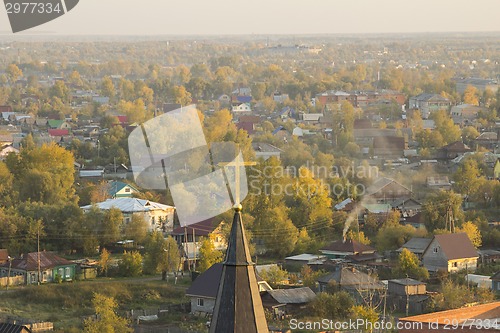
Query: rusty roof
pixel 47 260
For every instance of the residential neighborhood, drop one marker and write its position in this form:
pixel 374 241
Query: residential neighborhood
pixel 371 183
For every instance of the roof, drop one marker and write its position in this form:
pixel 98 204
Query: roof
pixel 47 260
pixel 203 228
pixel 416 245
pixel 293 296
pixel 349 246
pixel 406 282
pixel 488 136
pixel 55 123
pixel 457 146
pixel 310 258
pixel 343 204
pixel 249 119
pixel 389 142
pixel 349 277
pixel 238 306
pixel 380 183
pixel 265 147
pixel 430 97
pixel 13 328
pixel 279 128
pixel 116 186
pixel 130 205
pixel 207 283
pixel 377 208
pixel 496 276
pixel 456 246
pixel 58 132
pixel 438 180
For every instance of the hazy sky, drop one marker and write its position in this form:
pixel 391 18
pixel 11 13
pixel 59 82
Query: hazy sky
pixel 164 17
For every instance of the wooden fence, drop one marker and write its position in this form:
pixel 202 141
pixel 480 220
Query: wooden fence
pixel 14 281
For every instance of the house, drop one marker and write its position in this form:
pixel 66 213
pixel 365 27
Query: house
pixel 189 238
pixel 13 328
pixel 495 282
pixel 349 248
pixel 387 190
pixel 389 146
pixel 416 245
pixel 266 151
pixel 429 103
pixel 488 140
pixel 465 114
pixel 49 264
pixel 407 294
pixel 407 207
pixel 450 253
pixel 158 216
pixel 300 260
pixel 121 190
pixel 283 302
pixel 58 124
pixel 417 221
pixel 496 169
pixel 465 319
pixel 242 108
pixel 364 137
pixel 453 150
pixel 358 284
pixel 6 151
pixel 438 182
pixel 310 118
pixel 280 98
pixel 203 291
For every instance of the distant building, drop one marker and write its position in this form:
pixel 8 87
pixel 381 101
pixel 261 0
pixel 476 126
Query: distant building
pixel 266 151
pixel 453 150
pixel 465 114
pixel 480 84
pixel 386 190
pixel 158 216
pixel 417 246
pixel 429 103
pixel 403 293
pixel 121 190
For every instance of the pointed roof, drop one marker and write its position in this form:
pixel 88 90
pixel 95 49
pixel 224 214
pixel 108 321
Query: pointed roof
pixel 238 307
pixel 455 246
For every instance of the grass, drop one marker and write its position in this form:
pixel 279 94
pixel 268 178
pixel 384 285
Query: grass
pixel 66 304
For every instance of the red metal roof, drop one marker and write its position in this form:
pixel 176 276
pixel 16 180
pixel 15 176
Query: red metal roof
pixel 58 132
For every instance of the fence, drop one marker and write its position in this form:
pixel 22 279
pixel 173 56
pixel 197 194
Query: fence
pixel 14 281
pixel 161 311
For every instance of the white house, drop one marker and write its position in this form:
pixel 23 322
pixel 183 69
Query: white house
pixel 158 216
pixel 242 107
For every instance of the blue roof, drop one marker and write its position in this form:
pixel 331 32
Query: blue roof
pixel 244 99
pixel 115 187
pixel 278 129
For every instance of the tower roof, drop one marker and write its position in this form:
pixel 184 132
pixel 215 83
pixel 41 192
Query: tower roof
pixel 238 307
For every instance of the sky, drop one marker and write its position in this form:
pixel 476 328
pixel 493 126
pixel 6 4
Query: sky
pixel 235 17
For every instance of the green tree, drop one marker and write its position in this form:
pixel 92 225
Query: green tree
pixel 130 264
pixel 108 87
pixel 170 259
pixel 436 208
pixel 452 296
pixel 332 306
pixel 466 177
pixel 409 265
pixel 275 275
pixel 111 225
pixel 209 255
pixel 107 320
pixel 181 95
pixel 137 229
pixel 393 237
pixel 368 314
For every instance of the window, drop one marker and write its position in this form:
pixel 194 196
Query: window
pixel 44 277
pixel 68 272
pixel 435 250
pixel 200 301
pixel 455 264
pixel 127 189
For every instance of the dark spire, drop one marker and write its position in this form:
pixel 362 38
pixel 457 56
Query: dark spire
pixel 238 307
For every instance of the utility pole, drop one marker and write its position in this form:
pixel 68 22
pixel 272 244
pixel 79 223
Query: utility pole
pixel 194 250
pixel 38 253
pixel 8 275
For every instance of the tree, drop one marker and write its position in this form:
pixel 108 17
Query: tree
pixel 437 206
pixel 130 264
pixel 106 318
pixel 137 229
pixel 108 87
pixel 277 231
pixel 332 306
pixel 452 296
pixel 393 237
pixel 181 95
pixel 170 259
pixel 466 177
pixel 110 227
pixel 472 232
pixel 368 314
pixel 104 261
pixel 471 95
pixel 409 266
pixel 14 73
pixel 209 255
pixel 275 275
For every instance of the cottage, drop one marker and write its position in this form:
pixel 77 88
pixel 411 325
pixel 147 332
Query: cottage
pixel 203 291
pixel 121 190
pixel 450 253
pixel 347 249
pixel 50 266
